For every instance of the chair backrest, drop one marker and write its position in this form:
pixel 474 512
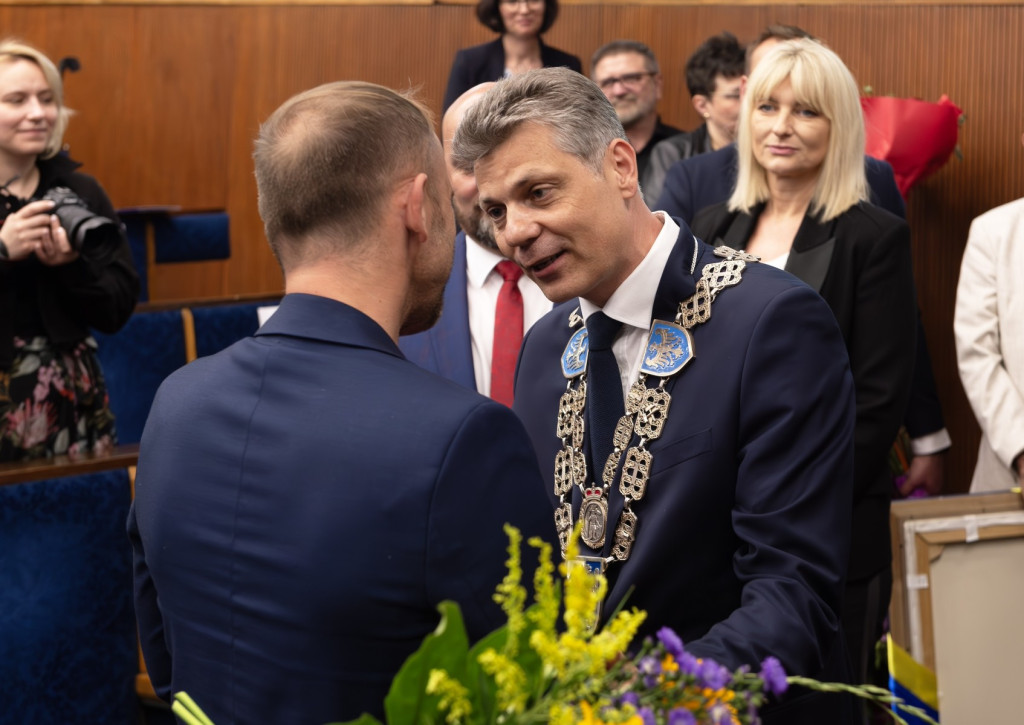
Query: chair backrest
pixel 135 360
pixel 67 626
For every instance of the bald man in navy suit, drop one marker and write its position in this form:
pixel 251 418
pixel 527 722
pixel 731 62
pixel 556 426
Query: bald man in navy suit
pixel 306 498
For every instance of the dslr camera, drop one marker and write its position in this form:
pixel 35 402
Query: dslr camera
pixel 76 218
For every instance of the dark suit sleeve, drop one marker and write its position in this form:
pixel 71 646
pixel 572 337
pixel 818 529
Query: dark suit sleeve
pixel 793 489
pixel 924 412
pixel 489 477
pixel 882 345
pixel 676 196
pixel 147 614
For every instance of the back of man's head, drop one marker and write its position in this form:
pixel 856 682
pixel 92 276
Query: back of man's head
pixel 773 34
pixel 327 161
pixel 569 104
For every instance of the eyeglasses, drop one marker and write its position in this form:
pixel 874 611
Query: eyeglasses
pixel 630 80
pixel 528 3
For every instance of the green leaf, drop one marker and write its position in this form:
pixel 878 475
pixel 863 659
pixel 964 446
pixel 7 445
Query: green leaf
pixel 446 649
pixel 481 686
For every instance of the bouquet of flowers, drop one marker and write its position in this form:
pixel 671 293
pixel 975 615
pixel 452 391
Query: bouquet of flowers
pixel 532 671
pixel 915 137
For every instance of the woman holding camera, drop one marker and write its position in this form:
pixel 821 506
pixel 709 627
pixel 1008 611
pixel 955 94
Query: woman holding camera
pixel 54 286
pixel 519 48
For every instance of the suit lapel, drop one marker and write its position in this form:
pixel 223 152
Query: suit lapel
pixel 450 343
pixel 811 255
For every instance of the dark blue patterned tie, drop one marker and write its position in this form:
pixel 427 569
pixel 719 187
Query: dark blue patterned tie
pixel 604 389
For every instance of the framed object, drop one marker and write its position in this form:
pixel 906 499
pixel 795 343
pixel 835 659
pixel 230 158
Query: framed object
pixel 957 588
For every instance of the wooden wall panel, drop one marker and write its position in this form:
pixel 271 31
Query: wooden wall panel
pixel 170 98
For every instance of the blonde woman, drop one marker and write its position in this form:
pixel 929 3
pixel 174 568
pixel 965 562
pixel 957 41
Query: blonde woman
pixel 800 203
pixel 65 267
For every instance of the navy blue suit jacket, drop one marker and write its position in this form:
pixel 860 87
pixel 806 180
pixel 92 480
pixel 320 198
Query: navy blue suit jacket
pixel 743 532
pixel 486 62
pixel 304 501
pixel 447 347
pixel 860 264
pixel 708 179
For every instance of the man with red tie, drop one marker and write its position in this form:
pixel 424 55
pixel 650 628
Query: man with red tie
pixel 488 303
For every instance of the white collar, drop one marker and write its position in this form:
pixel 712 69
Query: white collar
pixel 633 302
pixel 480 261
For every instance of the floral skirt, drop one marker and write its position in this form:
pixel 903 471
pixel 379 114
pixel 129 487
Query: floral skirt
pixel 53 401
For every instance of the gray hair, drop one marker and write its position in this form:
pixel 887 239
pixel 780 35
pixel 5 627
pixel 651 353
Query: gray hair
pixel 620 47
pixel 571 105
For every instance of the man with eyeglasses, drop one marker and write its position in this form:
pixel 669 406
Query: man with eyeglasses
pixel 628 73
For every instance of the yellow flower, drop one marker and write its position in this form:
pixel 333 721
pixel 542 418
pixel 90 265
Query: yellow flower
pixel 545 594
pixel 613 640
pixel 583 592
pixel 669 664
pixel 508 676
pixel 590 717
pixel 561 714
pixel 454 696
pixel 511 594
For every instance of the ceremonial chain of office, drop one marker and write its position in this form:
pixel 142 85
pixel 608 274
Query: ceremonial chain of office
pixel 669 349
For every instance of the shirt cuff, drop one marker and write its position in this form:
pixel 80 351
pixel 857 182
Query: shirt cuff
pixel 932 443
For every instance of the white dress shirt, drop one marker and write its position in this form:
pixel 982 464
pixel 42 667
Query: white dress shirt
pixel 632 303
pixel 482 286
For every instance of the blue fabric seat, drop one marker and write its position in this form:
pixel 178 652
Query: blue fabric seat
pixel 218 326
pixel 67 628
pixel 135 361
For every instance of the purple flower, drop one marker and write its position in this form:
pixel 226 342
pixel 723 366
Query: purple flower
pixel 774 676
pixel 630 698
pixel 650 668
pixel 671 642
pixel 647 715
pixel 680 716
pixel 688 665
pixel 713 674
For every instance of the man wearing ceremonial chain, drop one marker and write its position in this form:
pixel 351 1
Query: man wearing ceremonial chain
pixel 691 407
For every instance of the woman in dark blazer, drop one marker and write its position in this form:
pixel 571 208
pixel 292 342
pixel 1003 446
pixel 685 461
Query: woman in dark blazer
pixel 519 48
pixel 801 203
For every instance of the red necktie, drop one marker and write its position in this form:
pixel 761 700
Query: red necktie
pixel 508 332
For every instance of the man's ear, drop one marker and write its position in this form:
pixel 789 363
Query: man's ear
pixel 700 104
pixel 415 206
pixel 624 167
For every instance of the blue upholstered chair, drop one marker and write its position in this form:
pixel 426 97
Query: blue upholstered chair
pixel 161 235
pixel 135 361
pixel 218 326
pixel 68 650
